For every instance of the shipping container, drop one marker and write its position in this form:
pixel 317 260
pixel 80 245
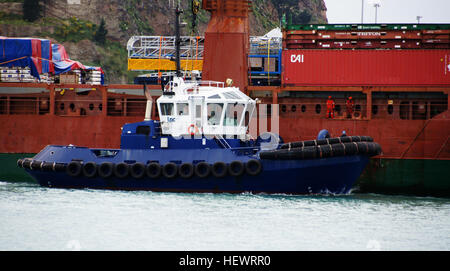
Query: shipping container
pixel 366 44
pixel 367 37
pixel 366 67
pixel 350 35
pixel 312 27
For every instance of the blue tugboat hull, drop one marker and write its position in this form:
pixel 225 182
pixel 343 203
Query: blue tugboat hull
pixel 335 175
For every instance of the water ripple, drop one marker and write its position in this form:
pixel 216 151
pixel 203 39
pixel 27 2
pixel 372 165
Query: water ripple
pixel 36 218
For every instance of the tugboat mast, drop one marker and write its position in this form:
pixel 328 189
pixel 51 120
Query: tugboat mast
pixel 178 11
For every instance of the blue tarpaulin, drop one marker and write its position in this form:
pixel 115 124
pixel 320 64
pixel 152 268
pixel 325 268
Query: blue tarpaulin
pixel 62 62
pixel 24 52
pixel 40 55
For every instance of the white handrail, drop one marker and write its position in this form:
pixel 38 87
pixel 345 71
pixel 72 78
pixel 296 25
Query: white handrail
pixel 207 83
pixel 223 142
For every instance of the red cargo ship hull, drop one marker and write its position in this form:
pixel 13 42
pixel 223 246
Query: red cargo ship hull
pixel 32 133
pixel 95 119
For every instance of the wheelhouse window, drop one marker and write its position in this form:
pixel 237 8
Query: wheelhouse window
pixel 214 111
pixel 233 114
pixel 166 109
pixel 182 109
pixel 248 112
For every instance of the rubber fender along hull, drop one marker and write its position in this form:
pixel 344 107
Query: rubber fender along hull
pixel 323 151
pixel 326 141
pixel 334 175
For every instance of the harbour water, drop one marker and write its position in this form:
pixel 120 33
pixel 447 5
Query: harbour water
pixel 36 218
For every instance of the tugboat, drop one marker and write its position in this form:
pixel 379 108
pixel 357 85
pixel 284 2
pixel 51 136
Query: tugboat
pixel 200 144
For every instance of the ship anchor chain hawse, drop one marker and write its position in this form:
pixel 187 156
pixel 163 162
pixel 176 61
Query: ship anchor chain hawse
pixel 201 144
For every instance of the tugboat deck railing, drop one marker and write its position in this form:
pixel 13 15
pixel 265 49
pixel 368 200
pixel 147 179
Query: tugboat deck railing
pixel 207 83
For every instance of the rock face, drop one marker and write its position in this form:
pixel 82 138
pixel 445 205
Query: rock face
pixel 125 18
pixel 267 14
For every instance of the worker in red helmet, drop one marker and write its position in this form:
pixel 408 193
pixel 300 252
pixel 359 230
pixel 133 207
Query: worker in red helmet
pixel 350 107
pixel 330 108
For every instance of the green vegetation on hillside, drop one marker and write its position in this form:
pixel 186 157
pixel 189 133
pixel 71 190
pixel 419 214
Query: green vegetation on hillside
pixel 295 15
pixel 73 30
pixel 100 33
pixel 262 17
pixel 143 27
pixel 111 55
pixel 113 58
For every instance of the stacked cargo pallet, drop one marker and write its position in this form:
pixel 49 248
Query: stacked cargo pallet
pixel 94 77
pixel 370 55
pixel 89 77
pixel 22 75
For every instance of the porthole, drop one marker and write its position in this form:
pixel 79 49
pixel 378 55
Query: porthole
pixel 318 108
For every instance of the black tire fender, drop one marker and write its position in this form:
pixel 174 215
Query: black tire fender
pixel 253 167
pixel 153 170
pixel 186 170
pixel 137 170
pixel 73 169
pixel 219 169
pixel 121 170
pixel 105 170
pixel 35 164
pixel 170 170
pixel 202 169
pixel 236 168
pixel 89 169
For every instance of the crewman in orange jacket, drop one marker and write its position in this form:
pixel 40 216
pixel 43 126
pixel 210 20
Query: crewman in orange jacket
pixel 330 108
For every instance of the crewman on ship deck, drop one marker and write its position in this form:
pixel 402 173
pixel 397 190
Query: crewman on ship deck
pixel 330 108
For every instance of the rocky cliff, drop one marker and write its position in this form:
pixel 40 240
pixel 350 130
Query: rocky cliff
pixel 73 22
